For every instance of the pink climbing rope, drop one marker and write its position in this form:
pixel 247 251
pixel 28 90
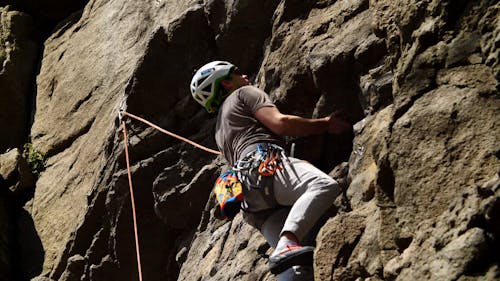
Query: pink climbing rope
pixel 170 133
pixel 125 141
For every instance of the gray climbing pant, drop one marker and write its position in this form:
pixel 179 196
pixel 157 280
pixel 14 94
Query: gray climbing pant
pixel 308 192
pixel 305 193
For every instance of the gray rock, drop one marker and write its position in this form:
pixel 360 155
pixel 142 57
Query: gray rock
pixel 423 168
pixel 41 278
pixel 227 251
pixel 336 241
pixel 74 269
pixel 18 176
pixel 85 71
pixel 18 54
pixel 453 246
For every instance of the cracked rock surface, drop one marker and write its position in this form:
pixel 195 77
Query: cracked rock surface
pixel 418 79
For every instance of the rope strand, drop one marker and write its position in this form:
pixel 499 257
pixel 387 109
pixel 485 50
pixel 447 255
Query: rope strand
pixel 125 141
pixel 171 134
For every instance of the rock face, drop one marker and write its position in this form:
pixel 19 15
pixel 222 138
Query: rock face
pixel 419 79
pixel 17 175
pixel 18 250
pixel 18 53
pixel 76 122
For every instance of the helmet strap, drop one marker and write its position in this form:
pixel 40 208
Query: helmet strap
pixel 235 82
pixel 220 94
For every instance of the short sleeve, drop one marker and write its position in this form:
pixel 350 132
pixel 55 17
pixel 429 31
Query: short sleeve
pixel 254 98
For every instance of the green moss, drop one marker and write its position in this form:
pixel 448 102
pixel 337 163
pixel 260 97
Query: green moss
pixel 36 160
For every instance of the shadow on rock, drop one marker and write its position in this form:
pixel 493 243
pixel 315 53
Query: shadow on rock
pixel 28 250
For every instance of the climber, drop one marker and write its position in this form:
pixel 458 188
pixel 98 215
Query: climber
pixel 286 205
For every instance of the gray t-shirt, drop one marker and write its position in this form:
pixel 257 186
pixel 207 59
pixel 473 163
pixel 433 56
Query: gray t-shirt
pixel 237 127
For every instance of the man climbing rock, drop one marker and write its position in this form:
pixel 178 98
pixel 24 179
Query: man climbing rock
pixel 283 196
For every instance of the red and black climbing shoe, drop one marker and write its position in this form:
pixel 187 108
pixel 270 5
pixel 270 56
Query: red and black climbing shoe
pixel 290 256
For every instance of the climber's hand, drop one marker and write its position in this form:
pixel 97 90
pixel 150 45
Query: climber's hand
pixel 338 123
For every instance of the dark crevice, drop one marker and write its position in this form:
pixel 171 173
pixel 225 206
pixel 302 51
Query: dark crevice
pixel 26 248
pixel 295 9
pixel 346 251
pixel 417 84
pixel 403 243
pixel 456 10
pixel 66 24
pixel 205 215
pixel 402 109
pixel 385 179
pixel 47 16
pixel 365 5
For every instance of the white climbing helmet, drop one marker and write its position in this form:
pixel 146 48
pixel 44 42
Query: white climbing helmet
pixel 205 85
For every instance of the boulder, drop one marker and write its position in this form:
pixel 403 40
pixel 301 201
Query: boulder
pixel 19 178
pixel 20 250
pixel 336 242
pixel 18 55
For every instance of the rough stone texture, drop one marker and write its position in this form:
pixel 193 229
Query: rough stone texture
pixel 311 50
pixel 370 133
pixel 240 29
pixel 17 175
pixel 419 79
pixel 461 242
pixel 17 185
pixel 336 242
pixel 87 68
pixel 18 53
pixel 230 250
pixel 423 174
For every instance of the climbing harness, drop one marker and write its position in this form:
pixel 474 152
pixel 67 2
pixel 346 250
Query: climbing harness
pixel 266 158
pixel 255 171
pixel 122 113
pixel 228 189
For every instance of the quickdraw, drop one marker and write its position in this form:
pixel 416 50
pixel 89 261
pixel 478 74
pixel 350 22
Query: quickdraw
pixel 270 160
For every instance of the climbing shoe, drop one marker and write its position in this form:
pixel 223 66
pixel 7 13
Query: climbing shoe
pixel 290 256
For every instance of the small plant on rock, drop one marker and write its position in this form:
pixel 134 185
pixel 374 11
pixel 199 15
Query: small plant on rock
pixel 36 160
